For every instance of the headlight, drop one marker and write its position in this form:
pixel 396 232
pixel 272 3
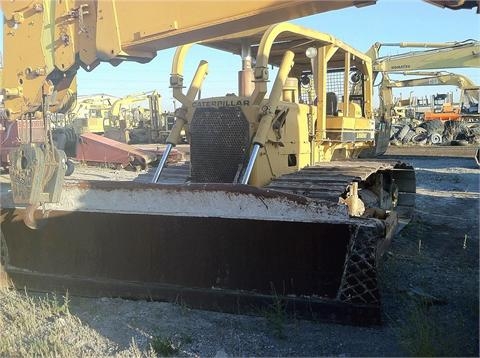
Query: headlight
pixel 311 52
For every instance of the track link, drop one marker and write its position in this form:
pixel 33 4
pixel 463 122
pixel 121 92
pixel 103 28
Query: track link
pixel 330 181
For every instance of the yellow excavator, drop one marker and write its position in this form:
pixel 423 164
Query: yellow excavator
pixel 122 114
pixel 469 97
pixel 124 118
pixel 274 204
pixel 437 56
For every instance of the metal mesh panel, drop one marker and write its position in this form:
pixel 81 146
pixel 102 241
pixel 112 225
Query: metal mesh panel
pixel 359 280
pixel 335 83
pixel 219 141
pixel 335 80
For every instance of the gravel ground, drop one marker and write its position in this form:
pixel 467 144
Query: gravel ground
pixel 436 255
pixel 429 283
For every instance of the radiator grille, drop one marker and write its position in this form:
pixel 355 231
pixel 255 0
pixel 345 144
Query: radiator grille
pixel 219 142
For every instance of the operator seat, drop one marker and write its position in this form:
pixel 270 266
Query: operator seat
pixel 331 104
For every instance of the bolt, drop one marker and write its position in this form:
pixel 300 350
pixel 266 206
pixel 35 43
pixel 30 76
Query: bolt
pixel 18 18
pixel 13 92
pixel 65 39
pixel 38 7
pixel 39 71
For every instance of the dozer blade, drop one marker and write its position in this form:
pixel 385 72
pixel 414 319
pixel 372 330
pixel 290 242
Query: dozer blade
pixel 232 248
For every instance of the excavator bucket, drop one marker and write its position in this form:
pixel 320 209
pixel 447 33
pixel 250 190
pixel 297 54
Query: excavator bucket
pixel 227 247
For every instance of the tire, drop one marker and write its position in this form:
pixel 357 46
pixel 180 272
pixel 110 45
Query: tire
pixel 417 138
pixel 461 136
pixel 435 138
pixel 403 132
pixel 70 168
pixel 420 130
pixel 394 130
pixel 475 130
pixel 460 142
pixel 475 139
pixel 435 126
pixel 408 137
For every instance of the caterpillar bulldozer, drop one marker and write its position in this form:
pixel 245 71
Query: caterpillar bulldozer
pixel 88 113
pixel 274 204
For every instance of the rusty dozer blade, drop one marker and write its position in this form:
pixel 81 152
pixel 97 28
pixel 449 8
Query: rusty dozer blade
pixel 232 248
pixel 94 148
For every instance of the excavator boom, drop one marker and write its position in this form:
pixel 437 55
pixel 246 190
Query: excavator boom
pixel 433 79
pixel 456 4
pixel 437 56
pixel 65 35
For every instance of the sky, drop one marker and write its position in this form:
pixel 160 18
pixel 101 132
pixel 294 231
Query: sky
pixel 386 21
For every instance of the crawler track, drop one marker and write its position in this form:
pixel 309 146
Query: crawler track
pixel 330 181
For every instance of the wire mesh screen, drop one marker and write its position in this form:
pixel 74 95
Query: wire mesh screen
pixel 335 84
pixel 335 81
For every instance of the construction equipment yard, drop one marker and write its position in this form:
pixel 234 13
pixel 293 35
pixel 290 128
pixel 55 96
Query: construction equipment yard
pixel 285 211
pixel 429 284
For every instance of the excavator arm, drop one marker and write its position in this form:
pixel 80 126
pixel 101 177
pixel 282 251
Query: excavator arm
pixel 61 36
pixel 436 56
pixel 456 4
pixel 433 79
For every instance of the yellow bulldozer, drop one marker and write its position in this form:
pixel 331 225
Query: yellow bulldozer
pixel 274 205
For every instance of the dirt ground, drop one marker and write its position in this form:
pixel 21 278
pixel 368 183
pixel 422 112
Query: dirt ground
pixel 429 281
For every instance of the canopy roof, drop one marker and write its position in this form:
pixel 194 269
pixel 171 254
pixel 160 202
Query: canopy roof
pixel 282 37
